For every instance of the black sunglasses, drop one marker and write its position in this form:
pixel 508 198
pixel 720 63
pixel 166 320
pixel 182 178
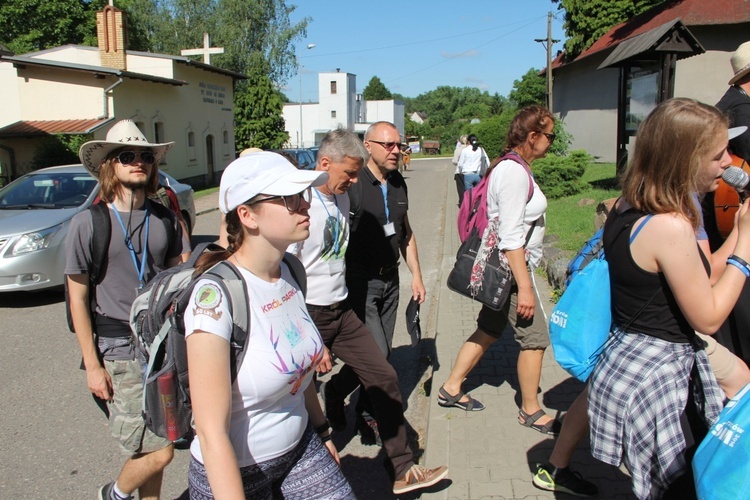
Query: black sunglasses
pixel 292 202
pixel 128 157
pixel 550 137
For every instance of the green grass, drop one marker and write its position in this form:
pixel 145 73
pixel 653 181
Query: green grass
pixel 574 224
pixel 204 192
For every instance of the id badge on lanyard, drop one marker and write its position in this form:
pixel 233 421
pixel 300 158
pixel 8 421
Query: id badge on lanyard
pixel 388 227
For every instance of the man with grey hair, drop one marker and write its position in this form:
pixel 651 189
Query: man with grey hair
pixel 343 155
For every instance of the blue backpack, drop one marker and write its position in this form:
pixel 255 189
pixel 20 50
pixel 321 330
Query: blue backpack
pixel 579 325
pixel 592 249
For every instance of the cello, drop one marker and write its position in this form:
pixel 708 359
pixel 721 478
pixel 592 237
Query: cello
pixel 727 200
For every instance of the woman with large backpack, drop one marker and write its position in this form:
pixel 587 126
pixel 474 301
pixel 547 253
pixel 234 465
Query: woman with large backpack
pixel 518 223
pixel 262 434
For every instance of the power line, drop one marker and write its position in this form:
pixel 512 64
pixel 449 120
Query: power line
pixel 387 47
pixel 468 50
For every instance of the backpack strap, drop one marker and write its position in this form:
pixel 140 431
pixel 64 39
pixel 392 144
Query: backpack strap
pixel 298 271
pixel 512 155
pixel 167 217
pixel 100 237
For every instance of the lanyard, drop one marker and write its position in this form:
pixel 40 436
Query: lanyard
pixel 384 190
pixel 128 243
pixel 336 224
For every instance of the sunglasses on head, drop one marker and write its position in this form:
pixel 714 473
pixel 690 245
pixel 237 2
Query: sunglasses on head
pixel 292 202
pixel 128 157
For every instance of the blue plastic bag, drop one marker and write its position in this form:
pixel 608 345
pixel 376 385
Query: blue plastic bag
pixel 721 464
pixel 580 323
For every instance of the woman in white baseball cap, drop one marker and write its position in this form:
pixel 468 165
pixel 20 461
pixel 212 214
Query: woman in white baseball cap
pixel 262 434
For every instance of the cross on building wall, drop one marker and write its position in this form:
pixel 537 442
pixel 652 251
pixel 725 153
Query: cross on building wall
pixel 206 51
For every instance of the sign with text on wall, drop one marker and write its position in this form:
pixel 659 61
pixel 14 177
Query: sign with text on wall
pixel 212 93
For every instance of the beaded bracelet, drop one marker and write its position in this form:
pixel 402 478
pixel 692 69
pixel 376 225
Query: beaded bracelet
pixel 739 266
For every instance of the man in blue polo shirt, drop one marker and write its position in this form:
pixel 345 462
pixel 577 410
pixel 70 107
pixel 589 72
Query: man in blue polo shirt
pixel 380 234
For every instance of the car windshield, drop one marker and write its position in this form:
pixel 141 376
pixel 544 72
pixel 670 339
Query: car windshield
pixel 47 190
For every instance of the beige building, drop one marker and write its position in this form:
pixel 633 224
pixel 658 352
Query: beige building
pixel 84 90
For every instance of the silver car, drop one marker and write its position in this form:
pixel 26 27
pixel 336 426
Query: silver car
pixel 35 213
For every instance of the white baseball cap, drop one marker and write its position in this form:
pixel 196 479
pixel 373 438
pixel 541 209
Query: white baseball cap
pixel 263 172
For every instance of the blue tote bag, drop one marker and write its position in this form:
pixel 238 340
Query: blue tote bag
pixel 721 464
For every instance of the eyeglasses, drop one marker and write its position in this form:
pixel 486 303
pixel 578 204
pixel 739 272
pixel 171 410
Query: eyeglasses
pixel 128 157
pixel 388 146
pixel 550 137
pixel 292 202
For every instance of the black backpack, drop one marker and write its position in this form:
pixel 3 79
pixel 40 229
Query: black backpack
pixel 157 322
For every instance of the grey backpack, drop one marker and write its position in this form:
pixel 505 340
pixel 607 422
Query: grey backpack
pixel 157 322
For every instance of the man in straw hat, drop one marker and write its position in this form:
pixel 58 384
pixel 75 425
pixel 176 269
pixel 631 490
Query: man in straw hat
pixel 736 102
pixel 141 244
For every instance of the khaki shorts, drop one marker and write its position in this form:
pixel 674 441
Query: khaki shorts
pixel 529 333
pixel 723 362
pixel 126 422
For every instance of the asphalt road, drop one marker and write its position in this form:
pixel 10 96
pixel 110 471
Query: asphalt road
pixel 54 441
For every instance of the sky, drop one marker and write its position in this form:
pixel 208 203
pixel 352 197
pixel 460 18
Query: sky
pixel 417 46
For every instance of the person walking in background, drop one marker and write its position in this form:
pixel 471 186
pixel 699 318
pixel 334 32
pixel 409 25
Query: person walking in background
pixel 472 162
pixel 342 155
pixel 140 245
pixel 458 176
pixel 661 288
pixel 269 439
pixel 380 231
pixel 518 224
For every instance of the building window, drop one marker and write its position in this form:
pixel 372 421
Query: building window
pixel 333 114
pixel 191 146
pixel 159 138
pixel 333 87
pixel 225 146
pixel 158 132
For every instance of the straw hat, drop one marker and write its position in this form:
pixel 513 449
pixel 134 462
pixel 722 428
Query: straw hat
pixel 740 62
pixel 122 134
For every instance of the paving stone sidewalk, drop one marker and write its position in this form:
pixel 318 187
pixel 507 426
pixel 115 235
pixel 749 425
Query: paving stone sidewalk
pixel 489 454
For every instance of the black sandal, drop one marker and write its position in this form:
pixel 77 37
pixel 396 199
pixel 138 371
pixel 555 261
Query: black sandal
pixel 447 401
pixel 552 427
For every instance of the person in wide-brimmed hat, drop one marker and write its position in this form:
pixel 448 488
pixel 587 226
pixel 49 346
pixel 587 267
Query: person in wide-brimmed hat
pixel 736 103
pixel 144 239
pixel 124 135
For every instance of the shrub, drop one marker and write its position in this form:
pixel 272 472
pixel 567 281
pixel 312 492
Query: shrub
pixel 560 176
pixel 57 150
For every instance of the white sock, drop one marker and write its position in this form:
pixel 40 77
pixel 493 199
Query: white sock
pixel 119 495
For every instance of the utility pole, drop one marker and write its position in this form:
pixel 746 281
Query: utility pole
pixel 547 43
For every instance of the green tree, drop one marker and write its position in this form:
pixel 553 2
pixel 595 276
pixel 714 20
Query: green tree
pixel 376 90
pixel 257 112
pixel 586 21
pixel 530 89
pixel 31 25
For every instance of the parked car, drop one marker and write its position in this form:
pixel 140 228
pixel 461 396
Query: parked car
pixel 35 213
pixel 314 151
pixel 304 157
pixel 185 196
